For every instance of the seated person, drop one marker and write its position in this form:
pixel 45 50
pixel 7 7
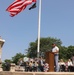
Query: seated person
pixel 70 65
pixel 62 65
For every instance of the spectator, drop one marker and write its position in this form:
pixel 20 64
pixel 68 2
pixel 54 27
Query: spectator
pixel 21 62
pixel 31 66
pixel 70 65
pixel 62 65
pixel 46 67
pixel 41 65
pixel 27 66
pixel 72 59
pixel 35 65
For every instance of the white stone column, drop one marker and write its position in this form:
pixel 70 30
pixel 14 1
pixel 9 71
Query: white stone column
pixel 1 45
pixel 12 68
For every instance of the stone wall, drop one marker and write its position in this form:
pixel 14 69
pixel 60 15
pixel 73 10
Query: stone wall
pixel 36 73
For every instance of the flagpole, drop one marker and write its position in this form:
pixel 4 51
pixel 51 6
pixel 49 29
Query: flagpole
pixel 39 23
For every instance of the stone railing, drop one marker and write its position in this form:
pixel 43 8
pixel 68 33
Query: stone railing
pixel 36 73
pixel 14 68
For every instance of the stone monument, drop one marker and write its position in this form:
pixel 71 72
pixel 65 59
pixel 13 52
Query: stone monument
pixel 1 45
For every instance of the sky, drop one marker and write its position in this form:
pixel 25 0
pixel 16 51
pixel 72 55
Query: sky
pixel 57 21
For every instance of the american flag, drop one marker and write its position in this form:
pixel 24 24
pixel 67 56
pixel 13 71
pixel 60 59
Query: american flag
pixel 17 6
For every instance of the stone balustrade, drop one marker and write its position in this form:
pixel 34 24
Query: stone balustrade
pixel 35 73
pixel 14 68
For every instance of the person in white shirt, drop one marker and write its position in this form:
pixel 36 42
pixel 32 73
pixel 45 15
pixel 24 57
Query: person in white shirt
pixel 61 62
pixel 72 59
pixel 62 65
pixel 70 65
pixel 70 62
pixel 55 50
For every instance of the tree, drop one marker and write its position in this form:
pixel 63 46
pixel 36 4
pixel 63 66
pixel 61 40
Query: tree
pixel 63 52
pixel 70 52
pixel 17 57
pixel 45 45
pixel 6 64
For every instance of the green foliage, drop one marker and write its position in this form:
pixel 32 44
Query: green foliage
pixel 32 50
pixel 70 52
pixel 45 45
pixel 4 63
pixel 3 66
pixel 17 57
pixel 62 52
pixel 8 60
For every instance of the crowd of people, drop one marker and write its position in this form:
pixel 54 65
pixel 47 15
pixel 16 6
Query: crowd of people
pixel 67 66
pixel 39 65
pixel 34 65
